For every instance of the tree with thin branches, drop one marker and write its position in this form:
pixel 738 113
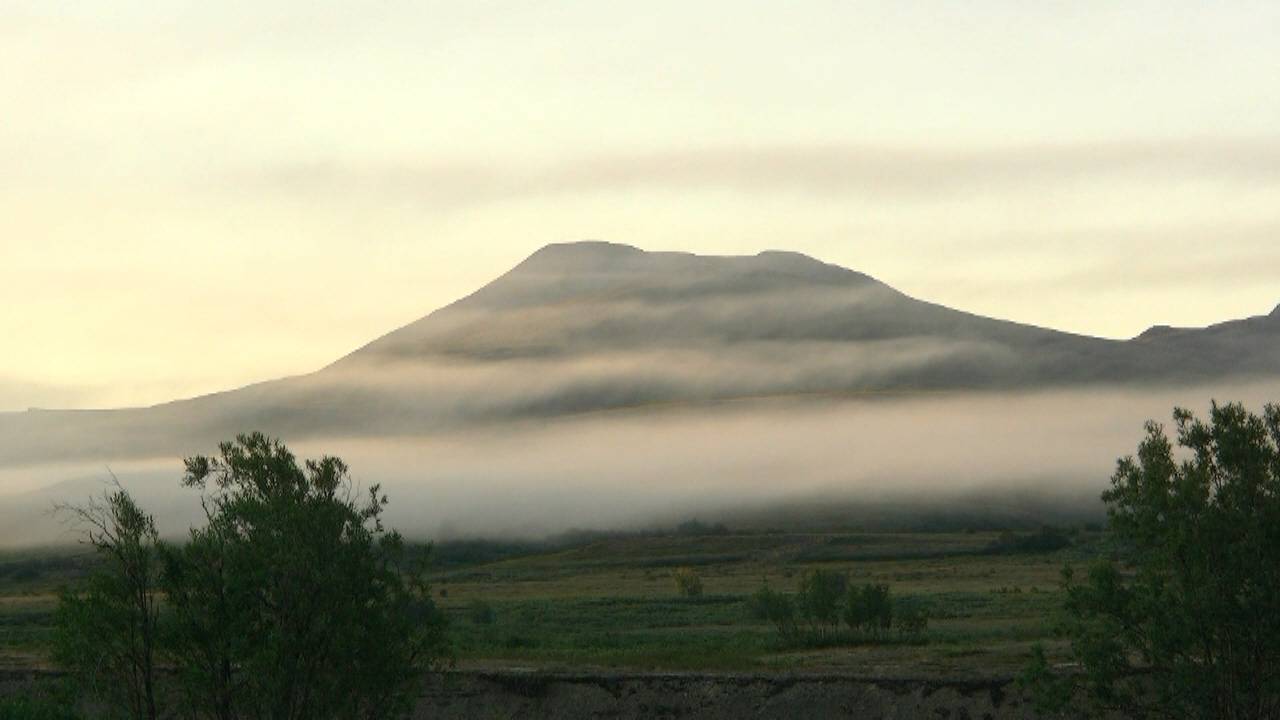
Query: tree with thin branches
pixel 107 633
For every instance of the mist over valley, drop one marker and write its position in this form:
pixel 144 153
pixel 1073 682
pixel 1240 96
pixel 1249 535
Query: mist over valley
pixel 600 386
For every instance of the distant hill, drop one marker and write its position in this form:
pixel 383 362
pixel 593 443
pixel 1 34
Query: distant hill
pixel 593 326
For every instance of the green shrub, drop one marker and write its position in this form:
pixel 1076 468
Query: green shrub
pixel 688 583
pixel 869 608
pixel 290 595
pixel 819 598
pixel 1186 624
pixel 774 607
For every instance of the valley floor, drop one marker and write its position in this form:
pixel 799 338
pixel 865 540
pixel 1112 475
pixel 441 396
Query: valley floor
pixel 612 604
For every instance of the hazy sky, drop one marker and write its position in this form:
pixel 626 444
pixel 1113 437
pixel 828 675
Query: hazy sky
pixel 196 195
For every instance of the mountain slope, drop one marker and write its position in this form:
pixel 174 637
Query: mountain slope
pixel 595 326
pixel 593 299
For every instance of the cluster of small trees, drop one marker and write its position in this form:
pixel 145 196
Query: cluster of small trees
pixel 291 601
pixel 824 598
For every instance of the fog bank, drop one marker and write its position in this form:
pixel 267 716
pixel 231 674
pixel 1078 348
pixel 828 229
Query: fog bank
pixel 801 462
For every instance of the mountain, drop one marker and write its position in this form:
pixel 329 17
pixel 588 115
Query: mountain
pixel 595 326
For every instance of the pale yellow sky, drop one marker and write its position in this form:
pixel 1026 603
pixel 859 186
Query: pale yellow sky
pixel 206 194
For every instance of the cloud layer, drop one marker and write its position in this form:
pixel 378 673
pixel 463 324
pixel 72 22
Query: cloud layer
pixel 1021 457
pixel 921 174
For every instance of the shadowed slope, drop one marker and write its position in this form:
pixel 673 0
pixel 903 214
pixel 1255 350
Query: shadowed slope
pixel 594 326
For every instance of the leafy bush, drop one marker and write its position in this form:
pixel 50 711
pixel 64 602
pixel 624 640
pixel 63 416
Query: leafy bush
pixel 688 583
pixel 294 585
pixel 818 600
pixel 1189 625
pixel 290 601
pixel 869 608
pixel 774 607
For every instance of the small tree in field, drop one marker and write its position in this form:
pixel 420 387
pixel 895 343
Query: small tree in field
pixel 819 598
pixel 1188 625
pixel 688 582
pixel 869 608
pixel 776 608
pixel 293 601
pixel 107 634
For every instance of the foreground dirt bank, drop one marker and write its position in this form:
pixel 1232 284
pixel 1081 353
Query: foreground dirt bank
pixel 481 695
pixel 513 694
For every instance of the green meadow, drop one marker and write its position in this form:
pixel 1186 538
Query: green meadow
pixel 611 602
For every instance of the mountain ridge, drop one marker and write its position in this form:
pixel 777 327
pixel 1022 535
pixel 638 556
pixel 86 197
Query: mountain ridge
pixel 597 255
pixel 582 327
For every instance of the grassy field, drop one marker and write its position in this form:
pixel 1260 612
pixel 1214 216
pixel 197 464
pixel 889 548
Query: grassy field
pixel 613 603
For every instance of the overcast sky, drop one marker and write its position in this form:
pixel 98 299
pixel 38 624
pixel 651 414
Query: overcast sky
pixel 197 195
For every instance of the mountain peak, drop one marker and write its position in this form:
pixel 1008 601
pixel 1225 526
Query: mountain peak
pixel 1276 313
pixel 602 256
pixel 1156 332
pixel 582 255
pixel 588 248
pixel 788 261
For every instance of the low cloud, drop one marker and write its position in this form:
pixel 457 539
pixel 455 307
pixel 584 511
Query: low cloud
pixel 919 173
pixel 16 394
pixel 1022 455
